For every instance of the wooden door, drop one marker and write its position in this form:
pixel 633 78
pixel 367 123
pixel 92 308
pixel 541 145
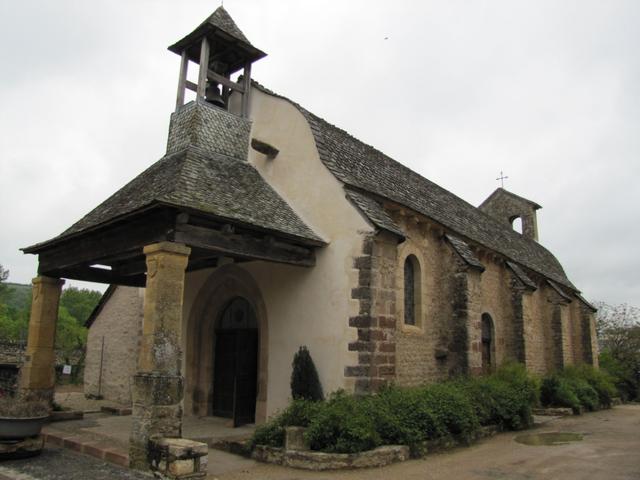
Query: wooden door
pixel 236 363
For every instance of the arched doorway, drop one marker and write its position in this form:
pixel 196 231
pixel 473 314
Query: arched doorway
pixel 225 284
pixel 235 374
pixel 488 344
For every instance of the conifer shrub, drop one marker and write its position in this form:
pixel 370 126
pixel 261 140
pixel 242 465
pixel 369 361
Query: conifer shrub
pixel 305 383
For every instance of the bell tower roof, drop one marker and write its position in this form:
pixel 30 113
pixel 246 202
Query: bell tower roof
pixel 221 31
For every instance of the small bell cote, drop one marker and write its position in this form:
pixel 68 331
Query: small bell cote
pixel 506 207
pixel 220 49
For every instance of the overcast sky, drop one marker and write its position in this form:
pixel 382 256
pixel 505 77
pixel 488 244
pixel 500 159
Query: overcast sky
pixel 547 91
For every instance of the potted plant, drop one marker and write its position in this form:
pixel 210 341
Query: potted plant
pixel 21 419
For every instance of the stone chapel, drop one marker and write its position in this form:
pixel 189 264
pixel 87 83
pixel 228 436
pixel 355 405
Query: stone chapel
pixel 264 228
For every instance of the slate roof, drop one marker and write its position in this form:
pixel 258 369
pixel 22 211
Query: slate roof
pixel 501 191
pixel 221 19
pixel 218 21
pixel 463 249
pixel 226 188
pixel 363 167
pixel 523 277
pixel 373 210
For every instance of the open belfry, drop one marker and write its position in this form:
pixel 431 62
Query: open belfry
pixel 264 228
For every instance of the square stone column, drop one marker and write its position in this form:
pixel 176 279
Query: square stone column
pixel 37 375
pixel 466 340
pixel 158 385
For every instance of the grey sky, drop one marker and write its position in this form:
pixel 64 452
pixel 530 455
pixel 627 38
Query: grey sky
pixel 548 91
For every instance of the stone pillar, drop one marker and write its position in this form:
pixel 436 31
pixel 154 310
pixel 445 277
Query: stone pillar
pixel 158 385
pixel 589 339
pixel 466 339
pixel 37 375
pixel 518 305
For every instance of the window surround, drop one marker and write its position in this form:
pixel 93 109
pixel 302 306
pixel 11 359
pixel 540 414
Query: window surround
pixel 406 249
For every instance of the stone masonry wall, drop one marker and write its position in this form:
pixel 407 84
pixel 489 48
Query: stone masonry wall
pixel 120 324
pixel 375 322
pixel 497 301
pixel 423 351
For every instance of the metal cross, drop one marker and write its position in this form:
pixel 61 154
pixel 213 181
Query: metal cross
pixel 502 178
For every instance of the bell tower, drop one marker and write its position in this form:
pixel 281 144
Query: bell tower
pixel 220 49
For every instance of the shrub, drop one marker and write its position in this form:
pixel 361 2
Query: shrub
pixel 409 416
pixel 344 424
pixel 577 387
pixel 624 377
pixel 305 383
pixel 298 414
pixel 505 398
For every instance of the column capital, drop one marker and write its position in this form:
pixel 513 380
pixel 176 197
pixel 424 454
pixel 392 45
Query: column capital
pixel 48 280
pixel 167 247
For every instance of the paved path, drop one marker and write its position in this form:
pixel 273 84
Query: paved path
pixel 61 464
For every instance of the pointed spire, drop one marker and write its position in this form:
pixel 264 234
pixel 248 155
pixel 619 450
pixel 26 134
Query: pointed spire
pixel 222 20
pixel 225 38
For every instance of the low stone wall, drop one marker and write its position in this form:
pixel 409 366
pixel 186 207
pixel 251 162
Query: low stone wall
pixel 318 461
pixel 297 454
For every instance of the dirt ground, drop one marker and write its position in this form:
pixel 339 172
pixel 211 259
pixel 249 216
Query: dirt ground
pixel 610 450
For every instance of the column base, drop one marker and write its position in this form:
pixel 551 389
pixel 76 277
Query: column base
pixel 157 413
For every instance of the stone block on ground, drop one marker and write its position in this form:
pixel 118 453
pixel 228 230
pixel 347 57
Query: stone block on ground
pixel 178 458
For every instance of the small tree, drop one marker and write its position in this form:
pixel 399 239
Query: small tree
pixel 619 338
pixel 305 383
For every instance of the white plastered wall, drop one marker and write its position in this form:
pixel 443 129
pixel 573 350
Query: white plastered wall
pixel 305 306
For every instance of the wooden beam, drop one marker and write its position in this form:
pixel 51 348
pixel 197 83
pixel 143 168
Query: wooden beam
pixel 191 86
pixel 99 275
pixel 184 65
pixel 211 262
pixel 244 246
pixel 107 245
pixel 204 68
pixel 222 80
pixel 134 267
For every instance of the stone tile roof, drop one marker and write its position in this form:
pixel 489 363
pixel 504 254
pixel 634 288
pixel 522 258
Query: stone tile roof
pixel 559 290
pixel 214 184
pixel 222 20
pixel 522 276
pixel 373 210
pixel 463 249
pixel 363 167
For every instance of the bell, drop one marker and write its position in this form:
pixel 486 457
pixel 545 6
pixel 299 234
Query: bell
pixel 212 95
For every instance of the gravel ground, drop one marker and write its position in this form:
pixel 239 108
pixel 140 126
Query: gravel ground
pixel 61 464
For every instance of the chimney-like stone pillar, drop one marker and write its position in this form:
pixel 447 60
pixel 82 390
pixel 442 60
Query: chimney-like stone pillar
pixel 37 375
pixel 158 385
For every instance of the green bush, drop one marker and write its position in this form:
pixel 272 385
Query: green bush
pixel 409 416
pixel 298 414
pixel 578 387
pixel 343 424
pixel 305 383
pixel 505 398
pixel 622 374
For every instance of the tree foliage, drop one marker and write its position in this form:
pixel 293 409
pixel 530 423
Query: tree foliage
pixel 75 307
pixel 305 383
pixel 618 330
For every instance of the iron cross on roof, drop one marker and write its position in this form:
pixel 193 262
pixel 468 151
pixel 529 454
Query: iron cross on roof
pixel 502 178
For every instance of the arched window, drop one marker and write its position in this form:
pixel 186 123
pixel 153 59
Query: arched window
pixel 516 223
pixel 411 290
pixel 488 343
